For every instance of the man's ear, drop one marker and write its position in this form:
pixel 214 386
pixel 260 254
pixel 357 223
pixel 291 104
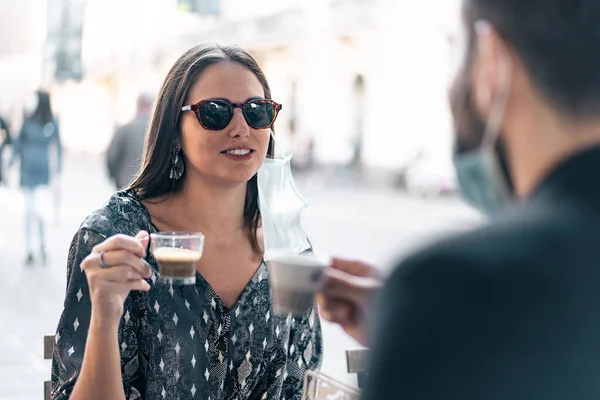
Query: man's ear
pixel 491 67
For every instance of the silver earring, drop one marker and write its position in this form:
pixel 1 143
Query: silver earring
pixel 177 166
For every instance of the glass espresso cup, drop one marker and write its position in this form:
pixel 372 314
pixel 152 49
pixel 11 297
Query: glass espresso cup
pixel 177 254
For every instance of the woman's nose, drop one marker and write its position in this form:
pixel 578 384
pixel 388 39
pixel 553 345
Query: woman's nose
pixel 238 125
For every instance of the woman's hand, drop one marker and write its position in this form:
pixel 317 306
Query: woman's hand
pixel 113 269
pixel 347 294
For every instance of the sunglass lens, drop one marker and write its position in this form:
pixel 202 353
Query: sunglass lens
pixel 259 113
pixel 215 114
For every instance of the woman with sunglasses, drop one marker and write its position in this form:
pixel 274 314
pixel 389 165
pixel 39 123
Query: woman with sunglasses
pixel 123 334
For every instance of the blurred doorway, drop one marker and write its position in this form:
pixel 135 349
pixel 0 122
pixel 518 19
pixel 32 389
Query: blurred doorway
pixel 358 122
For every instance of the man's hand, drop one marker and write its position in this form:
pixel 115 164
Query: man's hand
pixel 347 295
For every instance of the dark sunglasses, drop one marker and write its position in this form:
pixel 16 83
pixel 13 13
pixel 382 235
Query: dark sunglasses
pixel 216 114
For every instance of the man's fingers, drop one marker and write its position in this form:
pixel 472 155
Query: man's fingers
pixel 323 303
pixel 342 312
pixel 357 268
pixel 337 311
pixel 339 285
pixel 351 281
pixel 336 292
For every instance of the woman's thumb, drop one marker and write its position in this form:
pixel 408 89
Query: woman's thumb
pixel 144 238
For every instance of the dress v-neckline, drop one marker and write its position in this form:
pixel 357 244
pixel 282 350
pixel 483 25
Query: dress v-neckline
pixel 249 285
pixel 262 267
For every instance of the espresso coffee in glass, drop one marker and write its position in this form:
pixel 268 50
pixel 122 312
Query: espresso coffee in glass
pixel 177 254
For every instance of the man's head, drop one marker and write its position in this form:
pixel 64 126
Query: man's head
pixel 144 103
pixel 532 74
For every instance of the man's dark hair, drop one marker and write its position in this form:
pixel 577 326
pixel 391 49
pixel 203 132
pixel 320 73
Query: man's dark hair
pixel 557 40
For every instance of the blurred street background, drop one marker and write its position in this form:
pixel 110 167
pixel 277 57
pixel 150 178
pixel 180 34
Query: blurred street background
pixel 375 224
pixel 363 85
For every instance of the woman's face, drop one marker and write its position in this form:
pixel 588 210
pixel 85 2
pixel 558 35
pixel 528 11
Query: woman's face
pixel 209 153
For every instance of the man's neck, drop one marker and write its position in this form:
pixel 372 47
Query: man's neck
pixel 538 146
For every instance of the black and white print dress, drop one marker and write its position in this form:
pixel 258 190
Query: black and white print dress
pixel 183 342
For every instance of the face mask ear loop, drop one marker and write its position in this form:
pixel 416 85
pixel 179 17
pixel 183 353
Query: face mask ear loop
pixel 499 99
pixel 278 152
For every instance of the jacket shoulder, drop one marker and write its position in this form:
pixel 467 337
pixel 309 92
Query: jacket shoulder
pixel 527 237
pixel 123 213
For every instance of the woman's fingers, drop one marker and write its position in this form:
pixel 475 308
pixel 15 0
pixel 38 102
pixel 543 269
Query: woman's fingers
pixel 144 238
pixel 122 242
pixel 123 257
pixel 115 274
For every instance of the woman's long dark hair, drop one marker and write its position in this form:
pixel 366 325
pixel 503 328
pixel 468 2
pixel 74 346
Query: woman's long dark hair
pixel 43 112
pixel 164 128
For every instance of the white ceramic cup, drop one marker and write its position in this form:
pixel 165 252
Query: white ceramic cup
pixel 294 282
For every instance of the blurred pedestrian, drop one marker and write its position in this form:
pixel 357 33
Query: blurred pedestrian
pixel 39 132
pixel 511 310
pixel 5 141
pixel 124 153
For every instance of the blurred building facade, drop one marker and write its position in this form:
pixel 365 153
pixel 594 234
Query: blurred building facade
pixel 22 36
pixel 363 82
pixel 94 56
